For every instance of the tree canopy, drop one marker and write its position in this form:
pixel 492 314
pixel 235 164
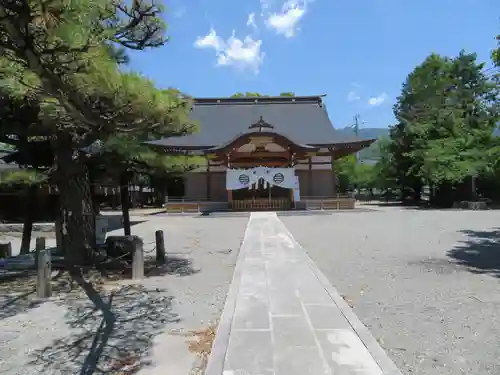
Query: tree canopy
pixel 61 85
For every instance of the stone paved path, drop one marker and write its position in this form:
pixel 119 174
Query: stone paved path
pixel 283 317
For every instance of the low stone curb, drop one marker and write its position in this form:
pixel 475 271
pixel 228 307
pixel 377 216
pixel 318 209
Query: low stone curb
pixel 215 365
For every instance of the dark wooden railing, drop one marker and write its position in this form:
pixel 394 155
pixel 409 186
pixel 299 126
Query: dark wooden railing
pixel 278 204
pixel 339 202
pixel 180 205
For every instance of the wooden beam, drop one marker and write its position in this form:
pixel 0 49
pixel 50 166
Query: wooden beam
pixel 334 175
pixel 309 177
pixel 208 181
pixel 262 154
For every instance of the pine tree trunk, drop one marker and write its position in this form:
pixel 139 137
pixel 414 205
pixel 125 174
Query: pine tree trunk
pixel 28 219
pixel 125 201
pixel 77 220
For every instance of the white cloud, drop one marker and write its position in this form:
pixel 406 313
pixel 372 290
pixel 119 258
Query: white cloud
pixel 352 96
pixel 210 40
pixel 286 21
pixel 243 54
pixel 251 21
pixel 377 100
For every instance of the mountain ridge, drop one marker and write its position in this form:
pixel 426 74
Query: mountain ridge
pixel 369 153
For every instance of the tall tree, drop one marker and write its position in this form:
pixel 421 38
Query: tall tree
pixel 445 122
pixel 415 108
pixel 58 54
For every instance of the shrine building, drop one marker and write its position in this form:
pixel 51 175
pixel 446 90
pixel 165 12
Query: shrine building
pixel 273 153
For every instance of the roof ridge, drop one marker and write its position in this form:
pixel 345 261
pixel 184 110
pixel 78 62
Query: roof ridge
pixel 260 100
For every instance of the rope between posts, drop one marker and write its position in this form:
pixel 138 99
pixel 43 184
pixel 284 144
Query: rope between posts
pixel 153 249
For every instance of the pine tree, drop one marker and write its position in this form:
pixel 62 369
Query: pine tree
pixel 58 56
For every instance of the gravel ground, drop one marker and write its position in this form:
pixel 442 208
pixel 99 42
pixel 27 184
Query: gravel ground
pixel 426 283
pixel 56 337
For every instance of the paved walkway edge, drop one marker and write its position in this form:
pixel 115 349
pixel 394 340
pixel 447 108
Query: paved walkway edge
pixel 215 365
pixel 379 355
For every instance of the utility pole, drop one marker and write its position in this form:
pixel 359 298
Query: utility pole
pixel 355 127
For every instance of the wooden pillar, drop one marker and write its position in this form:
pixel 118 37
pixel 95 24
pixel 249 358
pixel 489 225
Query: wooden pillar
pixel 334 174
pixel 208 182
pixel 309 177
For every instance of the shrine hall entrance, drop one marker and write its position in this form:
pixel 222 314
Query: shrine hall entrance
pixel 261 188
pixel 262 196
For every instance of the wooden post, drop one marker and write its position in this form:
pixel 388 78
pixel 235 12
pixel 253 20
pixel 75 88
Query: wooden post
pixel 208 181
pixel 43 261
pixel 137 260
pixel 160 247
pixel 309 177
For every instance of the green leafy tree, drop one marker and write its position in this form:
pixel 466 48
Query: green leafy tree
pixel 345 169
pixel 415 109
pixel 445 123
pixel 495 54
pixel 456 142
pixel 385 175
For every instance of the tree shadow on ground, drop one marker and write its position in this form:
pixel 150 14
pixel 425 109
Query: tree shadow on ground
pixel 113 330
pixel 18 291
pixel 114 341
pixel 480 253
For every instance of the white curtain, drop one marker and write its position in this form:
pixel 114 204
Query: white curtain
pixel 245 178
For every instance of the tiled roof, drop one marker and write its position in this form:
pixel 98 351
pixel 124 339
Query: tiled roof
pixel 302 119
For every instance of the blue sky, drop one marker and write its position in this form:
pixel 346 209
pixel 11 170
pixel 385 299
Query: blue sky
pixel 358 52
